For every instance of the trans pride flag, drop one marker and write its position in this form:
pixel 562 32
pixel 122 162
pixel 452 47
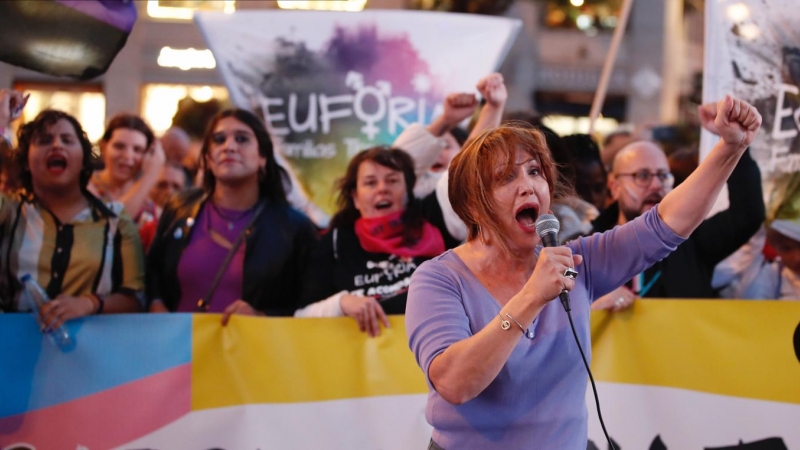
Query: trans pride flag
pixel 181 381
pixel 672 374
pixel 126 376
pixel 76 38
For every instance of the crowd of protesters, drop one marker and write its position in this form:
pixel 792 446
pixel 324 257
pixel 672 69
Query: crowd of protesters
pixel 129 232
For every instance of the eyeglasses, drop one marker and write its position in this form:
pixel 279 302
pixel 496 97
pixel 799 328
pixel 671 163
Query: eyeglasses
pixel 644 177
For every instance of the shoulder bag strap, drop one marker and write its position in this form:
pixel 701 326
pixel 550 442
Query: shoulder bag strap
pixel 202 304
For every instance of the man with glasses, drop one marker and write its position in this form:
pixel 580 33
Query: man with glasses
pixel 640 178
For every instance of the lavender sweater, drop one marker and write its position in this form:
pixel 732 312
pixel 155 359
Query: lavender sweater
pixel 537 400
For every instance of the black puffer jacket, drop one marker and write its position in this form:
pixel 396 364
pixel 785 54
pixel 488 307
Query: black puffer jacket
pixel 276 251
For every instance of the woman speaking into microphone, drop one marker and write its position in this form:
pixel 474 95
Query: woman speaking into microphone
pixel 499 356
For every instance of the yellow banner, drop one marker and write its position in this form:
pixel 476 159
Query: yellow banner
pixel 298 360
pixel 736 348
pixel 688 373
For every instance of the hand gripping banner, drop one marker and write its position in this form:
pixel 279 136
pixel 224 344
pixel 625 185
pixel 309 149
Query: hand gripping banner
pixel 681 374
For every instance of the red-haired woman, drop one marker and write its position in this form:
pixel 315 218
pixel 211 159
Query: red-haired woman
pixel 498 354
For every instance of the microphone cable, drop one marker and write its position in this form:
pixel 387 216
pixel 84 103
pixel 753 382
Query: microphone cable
pixel 564 296
pixel 547 227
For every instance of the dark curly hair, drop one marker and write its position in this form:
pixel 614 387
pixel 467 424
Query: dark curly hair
pixel 394 159
pixel 31 130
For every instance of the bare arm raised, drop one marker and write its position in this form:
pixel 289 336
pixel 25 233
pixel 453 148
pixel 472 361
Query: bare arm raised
pixel 152 163
pixel 493 89
pixel 457 107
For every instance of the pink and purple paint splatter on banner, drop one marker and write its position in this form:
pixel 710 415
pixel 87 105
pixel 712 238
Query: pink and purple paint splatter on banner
pixel 331 84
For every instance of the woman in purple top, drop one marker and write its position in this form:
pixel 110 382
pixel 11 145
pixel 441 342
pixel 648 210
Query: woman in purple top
pixel 242 199
pixel 500 359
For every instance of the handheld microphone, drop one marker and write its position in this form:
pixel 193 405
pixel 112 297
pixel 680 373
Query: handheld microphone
pixel 547 227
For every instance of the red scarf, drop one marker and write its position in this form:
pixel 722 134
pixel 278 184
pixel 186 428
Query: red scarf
pixel 385 235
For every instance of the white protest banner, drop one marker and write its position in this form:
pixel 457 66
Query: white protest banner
pixel 752 51
pixel 330 84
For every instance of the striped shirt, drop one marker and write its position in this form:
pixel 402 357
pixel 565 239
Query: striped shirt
pixel 98 251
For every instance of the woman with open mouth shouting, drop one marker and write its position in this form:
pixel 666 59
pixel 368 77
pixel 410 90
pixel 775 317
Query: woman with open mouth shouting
pixel 85 253
pixel 234 246
pixel 498 354
pixel 362 266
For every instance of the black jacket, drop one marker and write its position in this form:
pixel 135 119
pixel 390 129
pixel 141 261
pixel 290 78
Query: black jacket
pixel 687 272
pixel 339 263
pixel 277 247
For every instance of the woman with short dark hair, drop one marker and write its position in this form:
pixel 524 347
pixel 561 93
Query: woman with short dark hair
pixel 132 159
pixel 362 267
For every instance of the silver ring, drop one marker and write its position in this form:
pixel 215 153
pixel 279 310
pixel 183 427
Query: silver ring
pixel 620 301
pixel 570 273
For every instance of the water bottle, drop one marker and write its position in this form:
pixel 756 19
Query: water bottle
pixel 36 297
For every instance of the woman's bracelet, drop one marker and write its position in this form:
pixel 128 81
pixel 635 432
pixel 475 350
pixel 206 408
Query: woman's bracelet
pixel 98 302
pixel 505 324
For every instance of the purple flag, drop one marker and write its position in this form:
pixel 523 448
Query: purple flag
pixel 75 38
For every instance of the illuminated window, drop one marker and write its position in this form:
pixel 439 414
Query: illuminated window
pixel 567 112
pixel 87 103
pixel 184 9
pixel 566 125
pixel 324 5
pixel 488 7
pixel 186 58
pixel 160 101
pixel 588 16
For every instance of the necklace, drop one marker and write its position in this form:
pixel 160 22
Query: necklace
pixel 231 219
